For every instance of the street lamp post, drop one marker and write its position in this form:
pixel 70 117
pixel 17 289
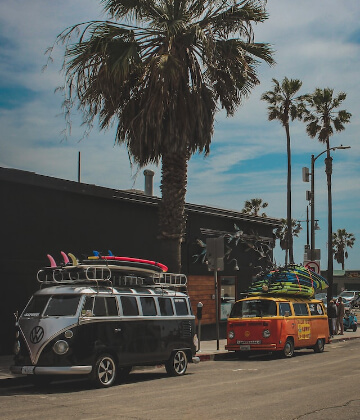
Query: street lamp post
pixel 328 171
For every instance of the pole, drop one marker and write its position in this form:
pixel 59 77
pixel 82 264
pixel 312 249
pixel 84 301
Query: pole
pixel 312 203
pixel 79 167
pixel 307 225
pixel 217 309
pixel 328 170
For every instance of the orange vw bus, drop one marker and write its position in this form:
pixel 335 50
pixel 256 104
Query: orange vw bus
pixel 279 324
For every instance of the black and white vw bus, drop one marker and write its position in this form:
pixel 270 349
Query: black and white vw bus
pixel 101 320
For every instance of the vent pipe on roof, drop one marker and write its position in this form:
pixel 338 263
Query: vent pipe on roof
pixel 149 184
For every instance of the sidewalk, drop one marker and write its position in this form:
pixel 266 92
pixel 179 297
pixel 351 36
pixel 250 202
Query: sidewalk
pixel 208 352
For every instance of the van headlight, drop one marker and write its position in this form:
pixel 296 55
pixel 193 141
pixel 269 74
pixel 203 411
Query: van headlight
pixel 266 334
pixel 61 347
pixel 231 334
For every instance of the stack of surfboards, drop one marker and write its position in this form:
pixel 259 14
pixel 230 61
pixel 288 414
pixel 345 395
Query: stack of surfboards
pixel 290 280
pixel 96 267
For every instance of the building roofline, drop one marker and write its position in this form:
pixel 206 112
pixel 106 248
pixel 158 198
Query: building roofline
pixel 44 181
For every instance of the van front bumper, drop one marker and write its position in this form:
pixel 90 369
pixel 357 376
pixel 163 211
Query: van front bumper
pixel 50 370
pixel 252 347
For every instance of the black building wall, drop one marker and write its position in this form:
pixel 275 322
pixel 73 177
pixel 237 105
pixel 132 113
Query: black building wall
pixel 42 215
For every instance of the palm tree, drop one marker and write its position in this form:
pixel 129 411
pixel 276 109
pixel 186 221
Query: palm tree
pixel 322 119
pixel 161 76
pixel 253 206
pixel 281 233
pixel 341 240
pixel 283 106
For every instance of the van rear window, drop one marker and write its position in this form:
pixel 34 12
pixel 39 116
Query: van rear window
pixel 316 309
pixel 181 306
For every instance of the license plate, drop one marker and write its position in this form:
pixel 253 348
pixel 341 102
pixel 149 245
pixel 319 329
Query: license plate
pixel 245 347
pixel 27 370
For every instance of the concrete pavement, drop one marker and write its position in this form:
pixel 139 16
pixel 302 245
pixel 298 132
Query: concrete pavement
pixel 208 352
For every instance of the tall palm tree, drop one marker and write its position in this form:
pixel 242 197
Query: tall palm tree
pixel 253 206
pixel 161 76
pixel 281 233
pixel 341 240
pixel 322 118
pixel 283 106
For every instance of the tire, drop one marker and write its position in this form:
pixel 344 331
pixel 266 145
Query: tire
pixel 288 350
pixel 354 327
pixel 319 345
pixel 177 364
pixel 104 371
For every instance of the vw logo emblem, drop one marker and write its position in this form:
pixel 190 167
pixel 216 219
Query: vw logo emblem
pixel 37 334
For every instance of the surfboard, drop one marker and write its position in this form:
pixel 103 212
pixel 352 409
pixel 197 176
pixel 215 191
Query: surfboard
pixel 290 280
pixel 97 268
pixel 163 267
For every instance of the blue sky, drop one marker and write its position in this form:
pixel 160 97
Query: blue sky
pixel 317 42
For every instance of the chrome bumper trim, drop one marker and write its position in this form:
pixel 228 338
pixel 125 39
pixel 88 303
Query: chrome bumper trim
pixel 50 370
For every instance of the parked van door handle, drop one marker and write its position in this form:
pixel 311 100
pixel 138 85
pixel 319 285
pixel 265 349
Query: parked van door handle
pixel 117 330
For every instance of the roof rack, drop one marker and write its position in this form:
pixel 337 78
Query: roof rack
pixel 114 276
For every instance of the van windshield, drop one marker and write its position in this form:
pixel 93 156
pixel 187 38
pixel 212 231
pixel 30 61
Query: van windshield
pixel 56 305
pixel 253 308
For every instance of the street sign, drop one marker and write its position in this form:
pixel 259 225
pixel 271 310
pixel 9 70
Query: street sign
pixel 313 265
pixel 215 253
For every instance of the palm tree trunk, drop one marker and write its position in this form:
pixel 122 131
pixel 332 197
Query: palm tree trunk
pixel 172 207
pixel 289 221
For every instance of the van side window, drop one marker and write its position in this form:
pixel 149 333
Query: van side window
pixel 300 309
pixel 105 306
pixel 148 306
pixel 166 308
pixel 129 306
pixel 284 307
pixel 316 309
pixel 181 306
pixel 111 306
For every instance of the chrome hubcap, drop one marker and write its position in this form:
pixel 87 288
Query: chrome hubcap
pixel 180 362
pixel 106 371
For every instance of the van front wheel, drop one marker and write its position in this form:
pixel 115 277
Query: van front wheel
pixel 104 371
pixel 288 350
pixel 177 364
pixel 319 345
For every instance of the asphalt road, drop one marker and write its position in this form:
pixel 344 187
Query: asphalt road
pixel 308 386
